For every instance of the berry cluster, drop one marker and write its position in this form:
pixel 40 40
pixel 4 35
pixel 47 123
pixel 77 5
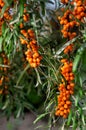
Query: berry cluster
pixel 32 54
pixel 70 17
pixel 79 11
pixel 3 70
pixel 68 49
pixel 68 25
pixel 1 19
pixel 66 70
pixel 26 16
pixel 6 15
pixel 1 4
pixel 66 89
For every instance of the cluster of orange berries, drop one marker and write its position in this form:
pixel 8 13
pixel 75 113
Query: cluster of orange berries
pixel 66 89
pixel 1 19
pixel 3 70
pixel 68 49
pixel 3 86
pixel 6 15
pixel 26 16
pixel 68 20
pixel 79 10
pixel 66 70
pixel 1 4
pixel 4 61
pixel 32 54
pixel 68 25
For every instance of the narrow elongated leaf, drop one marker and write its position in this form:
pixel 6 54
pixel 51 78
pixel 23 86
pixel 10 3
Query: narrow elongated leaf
pixel 69 118
pixel 3 28
pixel 74 122
pixel 3 10
pixel 8 2
pixel 1 40
pixel 21 8
pixel 76 62
pixel 7 30
pixel 40 117
pixel 6 104
pixel 83 120
pixel 22 74
pixel 19 112
pixel 77 100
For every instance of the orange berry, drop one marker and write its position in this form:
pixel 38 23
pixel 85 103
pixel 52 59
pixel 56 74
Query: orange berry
pixel 34 65
pixel 57 112
pixel 65 111
pixel 82 14
pixel 61 113
pixel 25 18
pixel 68 102
pixel 66 106
pixel 78 16
pixel 36 55
pixel 21 25
pixel 79 3
pixel 64 116
pixel 62 108
pixel 30 60
pixel 71 92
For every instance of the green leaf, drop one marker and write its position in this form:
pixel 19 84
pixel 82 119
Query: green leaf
pixel 83 120
pixel 84 61
pixel 80 110
pixel 18 112
pixel 3 10
pixel 1 40
pixel 77 100
pixel 6 104
pixel 74 122
pixel 21 8
pixel 7 31
pixel 38 77
pixel 39 117
pixel 22 74
pixel 3 28
pixel 76 62
pixel 8 2
pixel 69 118
pixel 80 92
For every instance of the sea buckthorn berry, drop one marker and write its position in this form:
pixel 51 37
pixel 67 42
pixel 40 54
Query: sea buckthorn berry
pixel 65 89
pixel 32 54
pixel 21 25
